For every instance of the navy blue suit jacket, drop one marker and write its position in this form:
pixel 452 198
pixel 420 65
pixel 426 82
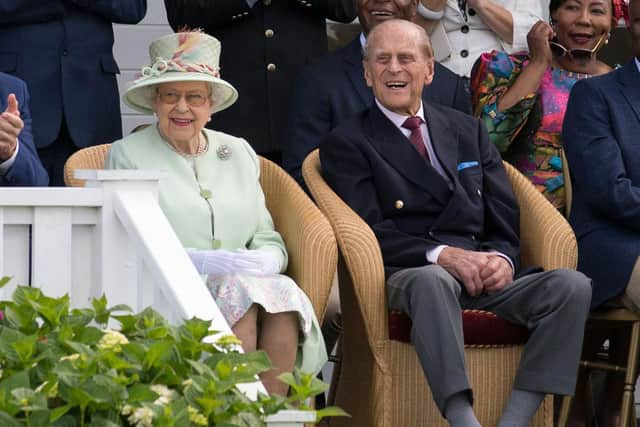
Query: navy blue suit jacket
pixel 601 137
pixel 62 49
pixel 333 90
pixel 26 169
pixel 371 165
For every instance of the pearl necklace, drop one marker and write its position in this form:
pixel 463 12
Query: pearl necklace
pixel 202 148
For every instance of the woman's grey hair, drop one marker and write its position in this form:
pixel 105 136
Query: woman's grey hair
pixel 424 42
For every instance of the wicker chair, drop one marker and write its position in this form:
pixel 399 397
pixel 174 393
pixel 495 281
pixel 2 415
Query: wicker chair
pixel 380 382
pixel 310 241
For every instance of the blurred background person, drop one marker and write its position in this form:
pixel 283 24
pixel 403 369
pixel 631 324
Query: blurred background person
pixel 600 135
pixel 265 42
pixel 62 49
pixel 213 200
pixel 19 162
pixel 522 98
pixel 461 30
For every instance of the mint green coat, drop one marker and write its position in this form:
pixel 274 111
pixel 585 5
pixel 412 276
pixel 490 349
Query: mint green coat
pixel 225 204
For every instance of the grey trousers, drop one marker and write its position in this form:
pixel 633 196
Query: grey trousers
pixel 553 305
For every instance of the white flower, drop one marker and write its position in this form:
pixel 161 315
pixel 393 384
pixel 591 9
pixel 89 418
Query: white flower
pixel 111 340
pixel 196 417
pixel 71 357
pixel 141 417
pixel 126 410
pixel 165 394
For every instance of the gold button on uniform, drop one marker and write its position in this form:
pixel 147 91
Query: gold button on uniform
pixel 399 204
pixel 271 67
pixel 268 33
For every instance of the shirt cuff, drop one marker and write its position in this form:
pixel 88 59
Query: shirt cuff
pixel 433 254
pixel 501 255
pixel 6 165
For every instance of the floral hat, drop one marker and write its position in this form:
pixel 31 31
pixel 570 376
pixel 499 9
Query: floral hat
pixel 185 56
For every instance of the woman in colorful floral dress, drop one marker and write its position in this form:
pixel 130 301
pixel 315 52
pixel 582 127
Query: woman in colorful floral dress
pixel 522 97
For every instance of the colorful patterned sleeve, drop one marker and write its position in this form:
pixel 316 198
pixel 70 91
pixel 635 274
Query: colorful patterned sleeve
pixel 492 75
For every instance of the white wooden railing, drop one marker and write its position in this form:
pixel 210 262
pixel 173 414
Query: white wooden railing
pixel 111 238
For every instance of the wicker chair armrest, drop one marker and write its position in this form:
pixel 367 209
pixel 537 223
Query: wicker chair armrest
pixel 87 158
pixel 546 238
pixel 359 249
pixel 311 245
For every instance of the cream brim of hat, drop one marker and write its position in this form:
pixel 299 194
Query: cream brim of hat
pixel 140 93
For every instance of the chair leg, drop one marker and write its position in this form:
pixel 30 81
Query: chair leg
pixel 628 408
pixel 335 376
pixel 565 409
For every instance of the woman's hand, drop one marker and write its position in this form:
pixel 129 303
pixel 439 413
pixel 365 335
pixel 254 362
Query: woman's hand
pixel 221 261
pixel 538 40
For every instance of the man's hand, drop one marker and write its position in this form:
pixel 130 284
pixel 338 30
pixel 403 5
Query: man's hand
pixel 466 266
pixel 496 274
pixel 10 127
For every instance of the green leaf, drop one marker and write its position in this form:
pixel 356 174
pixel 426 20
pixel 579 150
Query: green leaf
pixel 74 395
pixel 88 335
pixel 4 281
pixel 7 420
pixel 39 418
pixel 58 412
pixel 103 422
pixel 25 348
pixel 158 353
pixel 134 351
pixel 120 307
pixel 100 308
pixel 330 411
pixel 141 393
pixel 52 309
pixel 198 329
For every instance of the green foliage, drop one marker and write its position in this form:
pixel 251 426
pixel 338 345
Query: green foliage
pixel 65 367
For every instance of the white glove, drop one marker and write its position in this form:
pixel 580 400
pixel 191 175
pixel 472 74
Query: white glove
pixel 220 261
pixel 262 262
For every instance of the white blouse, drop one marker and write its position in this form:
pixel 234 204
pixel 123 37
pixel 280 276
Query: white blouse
pixel 458 43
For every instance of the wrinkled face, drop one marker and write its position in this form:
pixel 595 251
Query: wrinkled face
pixel 373 12
pixel 634 29
pixel 579 24
pixel 183 108
pixel 397 68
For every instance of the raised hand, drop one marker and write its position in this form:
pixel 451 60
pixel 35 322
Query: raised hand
pixel 10 127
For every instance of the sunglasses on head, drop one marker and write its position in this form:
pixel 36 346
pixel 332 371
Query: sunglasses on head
pixel 578 55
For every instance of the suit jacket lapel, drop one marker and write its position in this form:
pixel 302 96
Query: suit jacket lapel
pixel 398 151
pixel 629 78
pixel 443 139
pixel 355 71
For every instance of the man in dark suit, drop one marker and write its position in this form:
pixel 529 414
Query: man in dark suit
pixel 264 42
pixel 62 49
pixel 19 162
pixel 433 189
pixel 601 135
pixel 333 90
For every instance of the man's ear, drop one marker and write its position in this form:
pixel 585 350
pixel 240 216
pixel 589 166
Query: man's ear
pixel 367 73
pixel 428 78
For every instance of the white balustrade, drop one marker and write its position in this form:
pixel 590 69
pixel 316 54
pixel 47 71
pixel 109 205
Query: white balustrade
pixel 111 238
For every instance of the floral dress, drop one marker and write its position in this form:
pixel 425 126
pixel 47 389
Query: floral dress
pixel 529 133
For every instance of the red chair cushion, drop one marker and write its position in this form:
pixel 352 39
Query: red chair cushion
pixel 479 328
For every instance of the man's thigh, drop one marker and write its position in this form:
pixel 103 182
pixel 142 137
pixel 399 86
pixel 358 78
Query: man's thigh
pixel 429 282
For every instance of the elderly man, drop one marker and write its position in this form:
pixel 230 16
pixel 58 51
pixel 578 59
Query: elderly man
pixel 433 189
pixel 334 90
pixel 19 162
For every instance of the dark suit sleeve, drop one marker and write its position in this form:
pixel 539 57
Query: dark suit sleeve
pixel 502 216
pixel 27 170
pixel 118 11
pixel 347 170
pixel 16 12
pixel 336 10
pixel 462 97
pixel 205 14
pixel 595 159
pixel 309 122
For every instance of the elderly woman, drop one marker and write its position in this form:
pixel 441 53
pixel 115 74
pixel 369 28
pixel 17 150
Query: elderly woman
pixel 461 30
pixel 522 98
pixel 213 200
